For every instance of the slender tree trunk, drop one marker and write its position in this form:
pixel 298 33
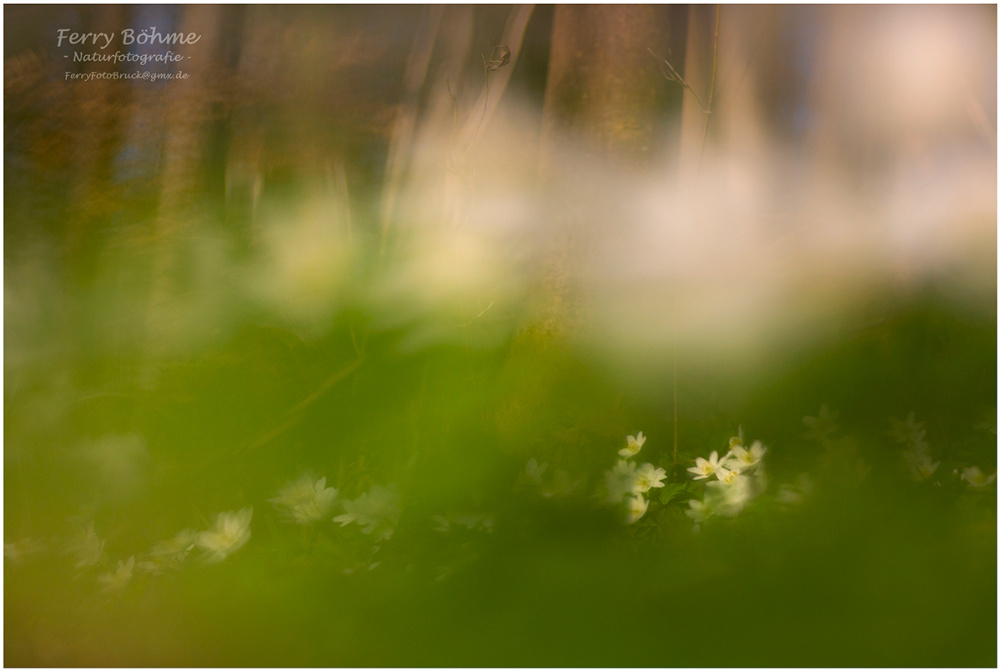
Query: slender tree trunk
pixel 605 110
pixel 188 109
pixel 100 112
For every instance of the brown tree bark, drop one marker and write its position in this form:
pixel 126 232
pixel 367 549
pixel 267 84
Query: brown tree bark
pixel 604 90
pixel 606 108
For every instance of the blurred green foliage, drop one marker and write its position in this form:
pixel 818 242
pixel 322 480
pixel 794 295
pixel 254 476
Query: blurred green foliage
pixel 868 570
pixel 171 360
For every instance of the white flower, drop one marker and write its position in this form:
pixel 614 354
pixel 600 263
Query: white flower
pixel 975 477
pixel 741 459
pixel 89 549
pixel 727 476
pixel 175 548
pixel 788 494
pixel 169 553
pixel 728 498
pixel 823 425
pixel 305 501
pixel 231 532
pixel 377 509
pixel 620 480
pixel 919 463
pixel 909 431
pixel 116 580
pixel 624 468
pixel 533 471
pixel 636 507
pixel 634 444
pixel 22 550
pixel 795 493
pixel 648 476
pixel 699 511
pixel 703 469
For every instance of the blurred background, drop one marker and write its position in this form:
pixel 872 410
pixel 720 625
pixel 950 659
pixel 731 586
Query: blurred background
pixel 448 258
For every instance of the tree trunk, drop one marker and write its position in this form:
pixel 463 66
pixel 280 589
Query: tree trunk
pixel 604 114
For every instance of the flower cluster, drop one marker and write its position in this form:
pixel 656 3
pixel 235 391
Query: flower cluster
pixel 910 434
pixel 629 482
pixel 230 532
pixel 722 485
pixel 305 501
pixel 732 480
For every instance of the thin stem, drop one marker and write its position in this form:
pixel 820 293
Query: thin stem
pixel 672 74
pixel 711 90
pixel 675 389
pixel 675 76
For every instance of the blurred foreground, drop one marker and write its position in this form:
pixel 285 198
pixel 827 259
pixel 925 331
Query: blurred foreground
pixel 338 352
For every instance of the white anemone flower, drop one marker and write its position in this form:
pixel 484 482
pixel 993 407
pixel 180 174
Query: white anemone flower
pixel 231 532
pixel 305 501
pixel 177 547
pixel 706 468
pixel 620 480
pixel 21 550
pixel 646 477
pixel 699 511
pixel 742 459
pixel 533 471
pixel 116 580
pixel 823 425
pixel 729 498
pixel 377 509
pixel 636 507
pixel 727 476
pixel 788 494
pixel 633 445
pixel 795 493
pixel 919 463
pixel 976 478
pixel 169 554
pixel 909 431
pixel 88 548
